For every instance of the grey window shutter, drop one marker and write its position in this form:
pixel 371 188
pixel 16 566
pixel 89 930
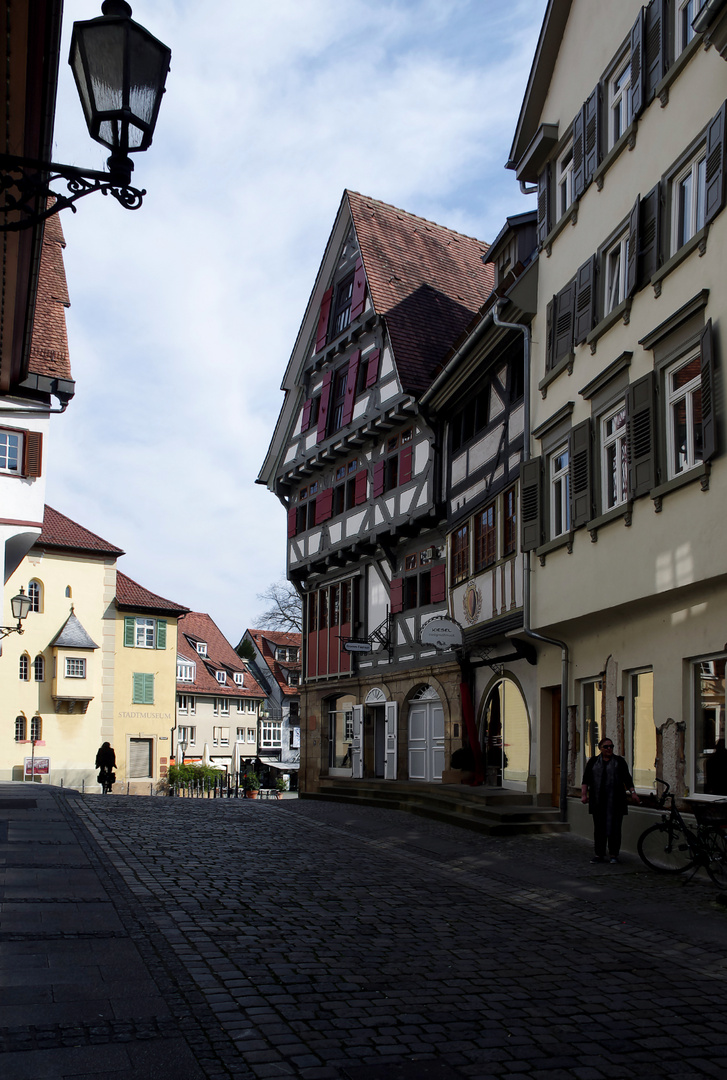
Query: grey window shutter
pixel 544 200
pixel 581 491
pixel 709 420
pixel 632 260
pixel 715 180
pixel 585 300
pixel 549 335
pixel 655 45
pixel 579 157
pixel 636 90
pixel 650 236
pixel 592 134
pixel 641 442
pixel 565 309
pixel 531 504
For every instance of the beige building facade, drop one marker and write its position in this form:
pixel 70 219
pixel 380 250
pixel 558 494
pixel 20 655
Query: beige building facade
pixel 623 501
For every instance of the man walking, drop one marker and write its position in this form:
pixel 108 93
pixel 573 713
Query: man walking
pixel 606 782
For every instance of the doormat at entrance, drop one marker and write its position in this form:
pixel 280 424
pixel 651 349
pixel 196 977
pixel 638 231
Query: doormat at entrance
pixel 403 1070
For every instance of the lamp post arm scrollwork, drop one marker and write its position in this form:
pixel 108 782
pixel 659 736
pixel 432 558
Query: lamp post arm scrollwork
pixel 24 181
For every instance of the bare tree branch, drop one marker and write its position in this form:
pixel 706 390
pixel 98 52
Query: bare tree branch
pixel 284 611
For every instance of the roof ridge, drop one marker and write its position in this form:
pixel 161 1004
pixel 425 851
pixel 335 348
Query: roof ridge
pixel 416 217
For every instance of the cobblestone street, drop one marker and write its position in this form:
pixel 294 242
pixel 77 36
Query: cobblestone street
pixel 339 943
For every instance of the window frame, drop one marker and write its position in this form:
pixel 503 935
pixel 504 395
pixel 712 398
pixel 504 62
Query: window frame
pixel 36 728
pixel 341 306
pixel 6 436
pixel 559 491
pixel 485 538
pixel 619 98
pixel 564 180
pixel 20 729
pixel 24 668
pixel 35 592
pixel 671 398
pixel 39 668
pixel 618 247
pixel 617 438
pixel 72 661
pixel 460 551
pixel 694 169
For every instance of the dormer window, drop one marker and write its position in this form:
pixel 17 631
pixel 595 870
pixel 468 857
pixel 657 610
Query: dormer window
pixel 202 648
pixel 221 676
pixel 185 671
pixel 239 678
pixel 293 678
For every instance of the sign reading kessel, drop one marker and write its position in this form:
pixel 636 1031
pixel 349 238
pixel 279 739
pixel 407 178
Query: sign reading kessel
pixel 442 633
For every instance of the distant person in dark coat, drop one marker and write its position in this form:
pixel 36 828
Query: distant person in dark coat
pixel 106 763
pixel 715 768
pixel 605 787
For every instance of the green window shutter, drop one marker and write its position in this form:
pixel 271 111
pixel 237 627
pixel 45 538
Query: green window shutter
pixel 148 689
pixel 161 633
pixel 129 631
pixel 138 698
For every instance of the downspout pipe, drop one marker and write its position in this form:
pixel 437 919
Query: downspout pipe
pixel 523 329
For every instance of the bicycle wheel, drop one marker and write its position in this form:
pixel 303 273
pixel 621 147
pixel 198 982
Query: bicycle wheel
pixel 665 848
pixel 716 846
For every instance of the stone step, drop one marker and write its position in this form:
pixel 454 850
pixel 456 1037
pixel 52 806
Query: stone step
pixel 485 813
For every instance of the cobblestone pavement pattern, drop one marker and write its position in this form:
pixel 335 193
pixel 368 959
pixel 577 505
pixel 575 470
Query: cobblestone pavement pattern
pixel 330 942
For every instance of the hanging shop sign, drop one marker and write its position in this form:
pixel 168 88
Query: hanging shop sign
pixel 442 633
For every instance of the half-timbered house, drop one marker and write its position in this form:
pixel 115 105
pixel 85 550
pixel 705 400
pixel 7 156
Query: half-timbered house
pixel 478 400
pixel 357 464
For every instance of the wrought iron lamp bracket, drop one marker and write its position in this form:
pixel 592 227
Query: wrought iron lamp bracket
pixel 24 181
pixel 5 631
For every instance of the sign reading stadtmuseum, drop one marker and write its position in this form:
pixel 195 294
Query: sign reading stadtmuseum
pixel 442 633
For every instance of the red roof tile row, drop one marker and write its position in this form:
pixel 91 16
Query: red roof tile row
pixel 267 641
pixel 198 626
pixel 427 281
pixel 60 531
pixel 134 597
pixel 49 345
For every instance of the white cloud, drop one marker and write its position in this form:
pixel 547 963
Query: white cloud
pixel 185 312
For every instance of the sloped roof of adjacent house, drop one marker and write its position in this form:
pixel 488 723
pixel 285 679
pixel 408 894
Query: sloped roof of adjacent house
pixel 72 635
pixel 427 281
pixel 49 354
pixel 62 533
pixel 266 641
pixel 197 626
pixel 131 596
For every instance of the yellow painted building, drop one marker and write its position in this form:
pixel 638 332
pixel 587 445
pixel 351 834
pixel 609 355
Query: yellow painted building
pixel 69 682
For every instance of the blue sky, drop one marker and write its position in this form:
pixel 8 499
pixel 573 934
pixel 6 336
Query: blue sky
pixel 184 313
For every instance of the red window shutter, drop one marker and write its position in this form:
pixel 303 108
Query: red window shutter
pixel 292 521
pixel 324 505
pixel 361 487
pixel 405 465
pixel 379 478
pixel 372 372
pixel 438 580
pixel 396 591
pixel 305 419
pixel 323 410
pixel 358 297
pixel 322 333
pixel 351 388
pixel 33 453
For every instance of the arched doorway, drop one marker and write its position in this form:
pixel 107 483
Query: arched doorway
pixel 426 736
pixel 505 736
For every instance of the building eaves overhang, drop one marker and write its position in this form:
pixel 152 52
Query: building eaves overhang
pixel 29 72
pixel 541 72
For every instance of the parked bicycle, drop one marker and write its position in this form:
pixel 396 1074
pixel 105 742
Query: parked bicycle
pixel 673 846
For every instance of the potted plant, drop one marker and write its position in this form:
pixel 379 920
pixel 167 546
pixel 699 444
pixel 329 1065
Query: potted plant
pixel 281 786
pixel 251 783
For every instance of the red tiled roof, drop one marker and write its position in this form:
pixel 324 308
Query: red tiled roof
pixel 220 657
pixel 135 597
pixel 49 343
pixel 60 532
pixel 427 281
pixel 264 639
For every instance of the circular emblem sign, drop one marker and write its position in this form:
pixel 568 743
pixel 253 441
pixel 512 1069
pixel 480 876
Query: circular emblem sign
pixel 442 633
pixel 472 603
